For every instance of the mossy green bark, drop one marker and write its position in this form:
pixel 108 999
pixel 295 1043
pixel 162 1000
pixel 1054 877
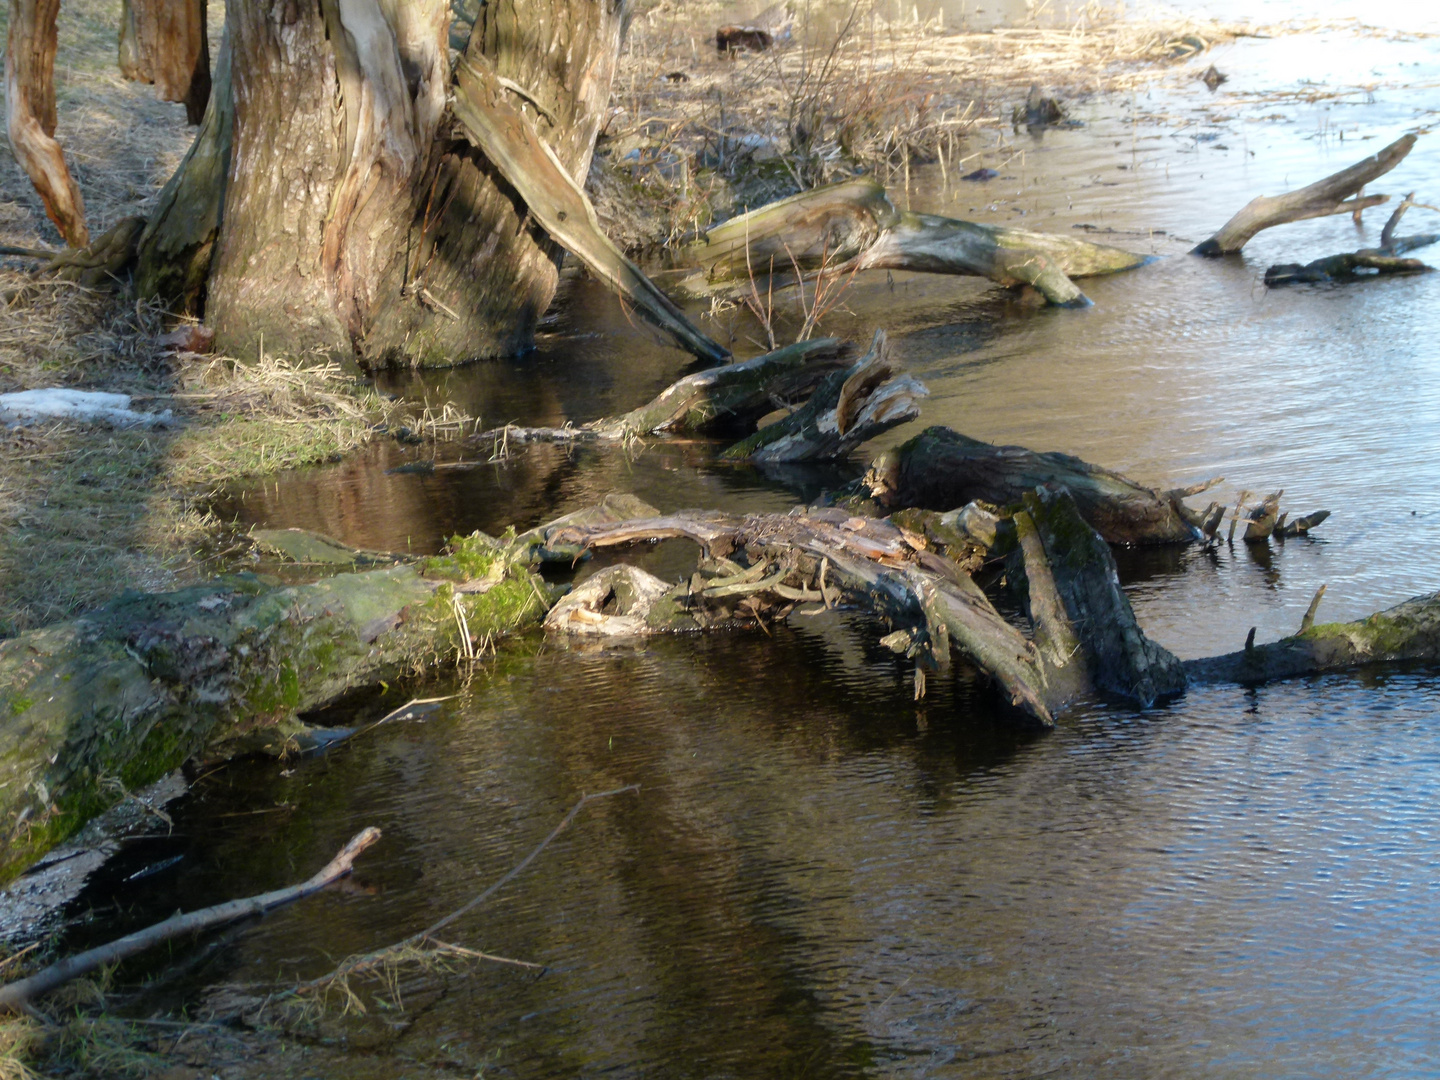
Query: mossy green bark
pixel 106 703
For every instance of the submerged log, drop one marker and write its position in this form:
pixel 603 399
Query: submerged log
pixel 1338 193
pixel 940 469
pixel 849 408
pixel 113 700
pixel 1386 259
pixel 854 225
pixel 729 399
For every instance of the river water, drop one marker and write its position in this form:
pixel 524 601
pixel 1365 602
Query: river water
pixel 820 877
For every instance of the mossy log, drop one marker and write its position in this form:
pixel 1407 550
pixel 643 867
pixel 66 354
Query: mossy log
pixel 725 400
pixel 849 408
pixel 1408 631
pixel 113 700
pixel 853 225
pixel 1338 193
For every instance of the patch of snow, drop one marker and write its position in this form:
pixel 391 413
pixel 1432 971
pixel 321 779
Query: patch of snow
pixel 86 406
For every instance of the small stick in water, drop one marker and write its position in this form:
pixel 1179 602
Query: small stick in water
pixel 1309 619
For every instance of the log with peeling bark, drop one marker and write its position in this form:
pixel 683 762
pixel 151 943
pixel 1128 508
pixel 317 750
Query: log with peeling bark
pixel 1338 193
pixel 854 225
pixel 30 115
pixel 849 408
pixel 941 469
pixel 163 42
pixel 724 400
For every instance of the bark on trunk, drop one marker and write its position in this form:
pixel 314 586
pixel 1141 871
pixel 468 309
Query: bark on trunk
pixel 853 225
pixel 177 248
pixel 30 115
pixel 163 42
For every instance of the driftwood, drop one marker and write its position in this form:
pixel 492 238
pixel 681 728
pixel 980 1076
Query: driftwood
pixel 940 469
pixel 30 115
pixel 1336 194
pixel 853 225
pixel 760 566
pixel 846 407
pixel 16 996
pixel 509 140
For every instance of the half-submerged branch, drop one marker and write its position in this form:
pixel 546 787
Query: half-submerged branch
pixel 16 996
pixel 1336 194
pixel 1388 258
pixel 854 225
pixel 1408 631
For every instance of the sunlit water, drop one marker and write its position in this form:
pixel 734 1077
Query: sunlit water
pixel 820 877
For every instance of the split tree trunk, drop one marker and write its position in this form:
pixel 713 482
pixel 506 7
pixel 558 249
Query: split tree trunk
pixel 164 43
pixel 351 222
pixel 30 115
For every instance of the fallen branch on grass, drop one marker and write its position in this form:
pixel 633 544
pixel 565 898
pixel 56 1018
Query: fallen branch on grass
pixel 16 996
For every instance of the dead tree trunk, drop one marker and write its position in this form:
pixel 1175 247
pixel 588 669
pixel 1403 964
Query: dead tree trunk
pixel 30 115
pixel 853 225
pixel 163 42
pixel 1332 195
pixel 352 221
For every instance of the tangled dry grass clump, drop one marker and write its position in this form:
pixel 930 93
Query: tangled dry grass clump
pixel 696 135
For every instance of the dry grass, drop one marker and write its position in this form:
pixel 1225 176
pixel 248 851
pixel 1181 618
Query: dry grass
pixel 696 136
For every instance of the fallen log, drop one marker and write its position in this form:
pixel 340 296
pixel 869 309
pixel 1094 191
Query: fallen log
pixel 1408 631
pixel 849 408
pixel 15 997
pixel 509 140
pixel 941 469
pixel 853 225
pixel 1386 259
pixel 761 565
pixel 1338 193
pixel 115 699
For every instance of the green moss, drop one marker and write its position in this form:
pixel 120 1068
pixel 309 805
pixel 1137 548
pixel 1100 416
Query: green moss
pixel 476 557
pixel 19 705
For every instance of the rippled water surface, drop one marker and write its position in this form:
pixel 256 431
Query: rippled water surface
pixel 820 877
